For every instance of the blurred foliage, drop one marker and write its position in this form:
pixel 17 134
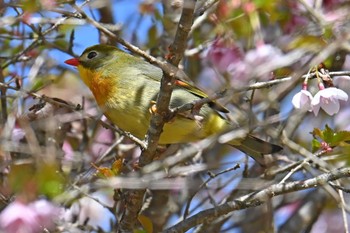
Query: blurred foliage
pixel 105 172
pixel 36 36
pixel 43 179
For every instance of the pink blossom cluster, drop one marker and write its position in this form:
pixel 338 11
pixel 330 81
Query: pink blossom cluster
pixel 326 98
pixel 229 58
pixel 28 218
pixel 331 11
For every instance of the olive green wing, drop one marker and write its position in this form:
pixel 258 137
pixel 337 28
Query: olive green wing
pixel 198 92
pixel 156 74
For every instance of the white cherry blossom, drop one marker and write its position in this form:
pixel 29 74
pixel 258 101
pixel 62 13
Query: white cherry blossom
pixel 328 100
pixel 302 100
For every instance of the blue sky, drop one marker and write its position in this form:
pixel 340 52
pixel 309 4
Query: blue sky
pixel 125 13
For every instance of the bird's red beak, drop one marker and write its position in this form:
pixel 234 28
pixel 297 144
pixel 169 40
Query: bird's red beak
pixel 72 62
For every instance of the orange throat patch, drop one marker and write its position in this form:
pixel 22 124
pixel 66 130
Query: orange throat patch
pixel 101 87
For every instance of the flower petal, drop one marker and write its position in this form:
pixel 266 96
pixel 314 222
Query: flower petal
pixel 331 107
pixel 302 100
pixel 341 95
pixel 328 100
pixel 316 108
pixel 316 99
pixel 296 100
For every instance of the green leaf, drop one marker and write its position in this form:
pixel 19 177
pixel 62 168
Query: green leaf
pixel 317 132
pixel 21 177
pixel 315 145
pixel 309 43
pixel 341 137
pixel 152 36
pixel 50 181
pixel 328 134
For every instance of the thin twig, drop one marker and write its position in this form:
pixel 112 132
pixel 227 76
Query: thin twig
pixel 211 177
pixel 207 4
pixel 256 199
pixel 3 99
pixel 343 211
pixel 336 186
pixel 298 166
pixel 228 92
pixel 38 41
pixel 167 68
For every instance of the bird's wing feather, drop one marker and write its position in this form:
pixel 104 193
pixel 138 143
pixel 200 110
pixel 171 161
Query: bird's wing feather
pixel 156 74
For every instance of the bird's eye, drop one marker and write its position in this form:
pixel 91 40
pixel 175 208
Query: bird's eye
pixel 91 55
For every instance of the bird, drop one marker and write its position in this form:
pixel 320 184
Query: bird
pixel 126 88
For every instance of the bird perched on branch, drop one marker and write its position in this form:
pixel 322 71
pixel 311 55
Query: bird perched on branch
pixel 126 88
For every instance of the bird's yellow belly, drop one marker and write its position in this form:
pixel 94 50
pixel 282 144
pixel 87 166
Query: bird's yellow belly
pixel 130 112
pixel 178 130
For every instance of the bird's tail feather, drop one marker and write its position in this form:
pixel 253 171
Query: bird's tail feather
pixel 257 148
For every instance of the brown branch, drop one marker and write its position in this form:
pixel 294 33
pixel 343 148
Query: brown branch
pixel 178 47
pixel 135 197
pixel 207 4
pixel 176 52
pixel 3 99
pixel 256 199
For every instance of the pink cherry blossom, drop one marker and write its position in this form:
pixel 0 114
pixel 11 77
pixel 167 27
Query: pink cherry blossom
pixel 302 100
pixel 222 54
pixel 332 4
pixel 262 55
pixel 28 218
pixel 48 4
pixel 46 212
pixel 261 62
pixel 328 100
pixel 18 217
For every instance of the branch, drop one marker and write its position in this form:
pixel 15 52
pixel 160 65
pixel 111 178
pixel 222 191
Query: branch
pixel 113 36
pixel 207 4
pixel 227 92
pixel 260 85
pixel 3 99
pixel 177 50
pixel 158 119
pixel 211 177
pixel 40 39
pixel 256 199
